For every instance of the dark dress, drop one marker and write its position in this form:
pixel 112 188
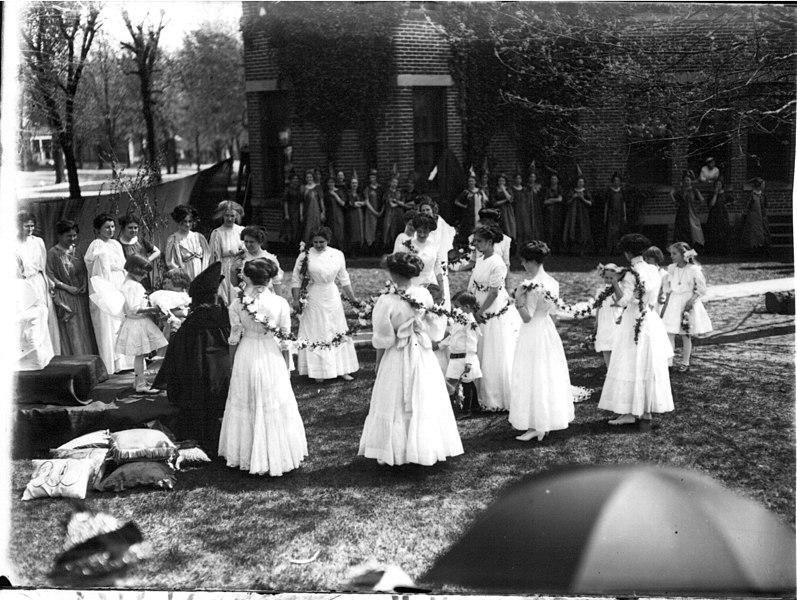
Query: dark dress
pixel 293 198
pixel 196 374
pixel 355 219
pixel 336 216
pixel 472 200
pixel 74 318
pixel 372 223
pixel 508 221
pixel 537 222
pixel 577 229
pixel 755 233
pixel 143 248
pixel 313 208
pixel 553 219
pixel 615 219
pixel 394 217
pixel 718 230
pixel 687 223
pixel 522 215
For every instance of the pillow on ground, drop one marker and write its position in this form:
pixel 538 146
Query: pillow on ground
pixel 191 454
pixel 63 477
pixel 142 444
pixel 100 457
pixel 136 474
pixel 95 439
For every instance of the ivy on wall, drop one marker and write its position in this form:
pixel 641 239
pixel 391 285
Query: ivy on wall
pixel 339 59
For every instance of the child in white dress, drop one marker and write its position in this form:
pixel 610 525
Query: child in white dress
pixel 462 343
pixel 541 397
pixel 138 336
pixel 262 430
pixel 608 315
pixel 404 239
pixel 410 419
pixel 637 380
pixel 684 313
pixel 654 256
pixel 172 300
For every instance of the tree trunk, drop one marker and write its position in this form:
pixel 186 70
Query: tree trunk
pixel 149 121
pixel 71 168
pixel 58 161
pixel 196 144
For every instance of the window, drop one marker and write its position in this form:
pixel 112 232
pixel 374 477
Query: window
pixel 712 139
pixel 649 162
pixel 429 129
pixel 769 152
pixel 276 137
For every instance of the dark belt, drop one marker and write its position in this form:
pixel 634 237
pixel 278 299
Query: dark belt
pixel 460 355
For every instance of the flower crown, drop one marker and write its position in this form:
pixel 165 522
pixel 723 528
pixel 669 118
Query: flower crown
pixel 690 254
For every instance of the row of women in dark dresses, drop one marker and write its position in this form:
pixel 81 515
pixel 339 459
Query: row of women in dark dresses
pixel 577 220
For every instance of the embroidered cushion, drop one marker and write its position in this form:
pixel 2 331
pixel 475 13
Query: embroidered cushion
pixel 141 473
pixel 142 444
pixel 63 477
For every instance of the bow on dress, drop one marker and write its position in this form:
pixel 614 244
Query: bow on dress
pixel 411 336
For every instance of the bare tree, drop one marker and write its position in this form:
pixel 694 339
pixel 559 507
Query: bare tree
pixel 57 38
pixel 144 51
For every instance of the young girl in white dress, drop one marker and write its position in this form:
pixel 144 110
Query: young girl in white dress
pixel 654 256
pixel 322 317
pixel 226 243
pixel 608 315
pixel 138 335
pixel 410 419
pixel 638 380
pixel 541 398
pixel 499 318
pixel 262 430
pixel 685 285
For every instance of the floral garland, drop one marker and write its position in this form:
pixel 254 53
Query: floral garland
pixel 494 315
pixel 479 287
pixel 685 321
pixel 288 338
pixel 588 343
pixel 305 279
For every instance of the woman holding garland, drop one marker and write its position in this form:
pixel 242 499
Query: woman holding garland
pixel 226 244
pixel 187 249
pixel 637 380
pixel 321 318
pixel 410 419
pixel 541 398
pixel 499 318
pixel 67 271
pixel 31 256
pixel 254 241
pixel 262 430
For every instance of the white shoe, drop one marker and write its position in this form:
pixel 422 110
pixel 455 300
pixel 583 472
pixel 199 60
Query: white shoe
pixel 530 435
pixel 623 420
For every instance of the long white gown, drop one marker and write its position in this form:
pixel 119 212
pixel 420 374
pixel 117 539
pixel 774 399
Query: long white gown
pixel 499 334
pixel 225 244
pixel 323 317
pixel 107 260
pixel 31 258
pixel 410 419
pixel 541 396
pixel 638 381
pixel 262 430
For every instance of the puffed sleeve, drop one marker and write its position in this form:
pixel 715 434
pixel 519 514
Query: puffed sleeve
pixel 627 284
pixel 280 274
pixel 435 324
pixel 296 278
pixel 384 335
pixel 172 255
pixel 497 274
pixel 134 298
pixel 203 243
pixel 284 323
pixel 700 281
pixel 665 281
pixel 236 328
pixel 343 275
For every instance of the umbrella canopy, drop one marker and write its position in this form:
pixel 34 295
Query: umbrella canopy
pixel 621 529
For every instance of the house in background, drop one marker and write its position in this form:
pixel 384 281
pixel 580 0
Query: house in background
pixel 421 120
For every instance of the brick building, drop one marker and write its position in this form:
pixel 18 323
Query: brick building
pixel 421 120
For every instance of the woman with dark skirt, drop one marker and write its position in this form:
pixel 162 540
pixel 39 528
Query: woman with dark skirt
pixel 687 223
pixel 719 232
pixel 552 210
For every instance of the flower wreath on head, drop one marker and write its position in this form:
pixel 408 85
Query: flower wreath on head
pixel 690 254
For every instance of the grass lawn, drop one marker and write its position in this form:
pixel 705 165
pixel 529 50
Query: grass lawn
pixel 221 528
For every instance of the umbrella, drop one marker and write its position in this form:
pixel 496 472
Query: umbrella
pixel 621 529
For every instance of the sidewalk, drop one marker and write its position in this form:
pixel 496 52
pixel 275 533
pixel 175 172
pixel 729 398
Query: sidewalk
pixel 748 288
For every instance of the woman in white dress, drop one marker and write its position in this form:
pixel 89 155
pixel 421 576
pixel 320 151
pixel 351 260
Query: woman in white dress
pixel 226 243
pixel 253 238
pixel 410 419
pixel 425 247
pixel 492 217
pixel 186 249
pixel 262 430
pixel 499 318
pixel 105 259
pixel 686 283
pixel 322 319
pixel 541 399
pixel 637 381
pixel 31 256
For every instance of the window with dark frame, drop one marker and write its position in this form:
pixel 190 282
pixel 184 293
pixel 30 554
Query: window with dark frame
pixel 649 162
pixel 429 130
pixel 769 153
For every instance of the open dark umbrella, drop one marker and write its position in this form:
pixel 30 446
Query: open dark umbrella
pixel 621 529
